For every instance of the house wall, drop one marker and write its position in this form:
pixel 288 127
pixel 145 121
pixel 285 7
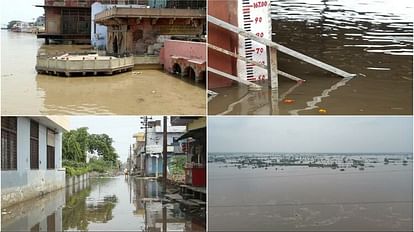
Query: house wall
pixel 53 20
pixel 192 50
pixel 152 164
pixel 24 183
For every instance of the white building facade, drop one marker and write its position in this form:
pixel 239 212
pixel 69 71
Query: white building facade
pixel 31 157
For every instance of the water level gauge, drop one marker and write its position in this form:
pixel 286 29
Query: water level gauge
pixel 254 17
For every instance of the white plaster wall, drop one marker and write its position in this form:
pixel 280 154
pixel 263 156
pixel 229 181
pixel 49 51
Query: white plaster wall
pixel 24 183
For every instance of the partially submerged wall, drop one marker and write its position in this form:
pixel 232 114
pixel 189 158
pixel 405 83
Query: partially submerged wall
pixel 191 50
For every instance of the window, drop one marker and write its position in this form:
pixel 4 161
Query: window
pixel 51 222
pixel 50 149
pixel 8 143
pixel 34 145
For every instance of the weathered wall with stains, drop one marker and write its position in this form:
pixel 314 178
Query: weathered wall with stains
pixel 192 50
pixel 226 11
pixel 24 183
pixel 147 36
pixel 53 20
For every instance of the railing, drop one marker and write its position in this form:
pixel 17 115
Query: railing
pixel 272 49
pixel 57 64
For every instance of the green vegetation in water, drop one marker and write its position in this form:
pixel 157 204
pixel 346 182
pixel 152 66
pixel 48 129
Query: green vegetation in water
pixel 177 165
pixel 74 168
pixel 77 213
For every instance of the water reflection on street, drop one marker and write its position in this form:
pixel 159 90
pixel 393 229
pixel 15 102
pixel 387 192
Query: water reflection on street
pixel 110 204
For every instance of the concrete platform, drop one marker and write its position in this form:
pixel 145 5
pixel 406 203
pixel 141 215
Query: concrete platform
pixel 92 64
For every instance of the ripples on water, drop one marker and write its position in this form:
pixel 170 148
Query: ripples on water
pixel 382 26
pixel 301 198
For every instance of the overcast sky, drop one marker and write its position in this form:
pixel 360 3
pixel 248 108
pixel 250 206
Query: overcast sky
pixel 310 134
pixel 20 10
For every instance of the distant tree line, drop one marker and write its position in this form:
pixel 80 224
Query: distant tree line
pixel 77 143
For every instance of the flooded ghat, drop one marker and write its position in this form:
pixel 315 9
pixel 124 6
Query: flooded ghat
pixel 372 39
pixel 377 197
pixel 102 204
pixel 24 92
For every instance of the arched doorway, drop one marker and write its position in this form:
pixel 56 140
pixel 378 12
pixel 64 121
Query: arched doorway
pixel 176 69
pixel 190 73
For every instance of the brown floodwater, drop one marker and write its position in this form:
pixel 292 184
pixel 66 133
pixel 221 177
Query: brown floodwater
pixel 374 42
pixel 24 92
pixel 302 198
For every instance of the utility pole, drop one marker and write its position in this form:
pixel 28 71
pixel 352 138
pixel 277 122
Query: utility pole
pixel 164 154
pixel 145 146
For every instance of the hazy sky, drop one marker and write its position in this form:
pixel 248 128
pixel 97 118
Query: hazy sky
pixel 310 134
pixel 119 128
pixel 20 10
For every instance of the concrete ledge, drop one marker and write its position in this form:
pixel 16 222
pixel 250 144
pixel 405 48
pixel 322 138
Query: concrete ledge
pixel 138 60
pixel 72 180
pixel 68 65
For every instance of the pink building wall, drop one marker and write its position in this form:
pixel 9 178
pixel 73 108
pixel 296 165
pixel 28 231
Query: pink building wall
pixel 192 50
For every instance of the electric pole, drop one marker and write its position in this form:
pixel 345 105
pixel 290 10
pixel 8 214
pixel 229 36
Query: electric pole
pixel 145 145
pixel 164 154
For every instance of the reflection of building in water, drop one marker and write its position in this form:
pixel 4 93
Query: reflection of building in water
pixel 158 216
pixel 82 208
pixel 31 157
pixel 41 214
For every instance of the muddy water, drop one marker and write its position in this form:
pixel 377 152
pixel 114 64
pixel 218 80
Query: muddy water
pixel 372 39
pixel 110 204
pixel 24 92
pixel 310 199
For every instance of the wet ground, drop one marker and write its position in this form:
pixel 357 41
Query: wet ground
pixel 372 39
pixel 24 92
pixel 298 198
pixel 110 204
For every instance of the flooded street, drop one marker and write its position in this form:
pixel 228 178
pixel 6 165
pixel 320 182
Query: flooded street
pixel 24 92
pixel 110 204
pixel 372 39
pixel 301 198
